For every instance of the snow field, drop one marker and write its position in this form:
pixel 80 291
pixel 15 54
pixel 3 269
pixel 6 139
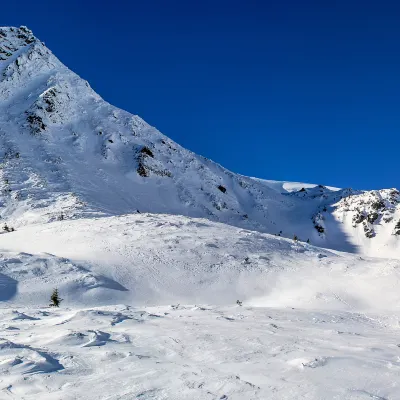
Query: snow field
pixel 197 352
pixel 146 259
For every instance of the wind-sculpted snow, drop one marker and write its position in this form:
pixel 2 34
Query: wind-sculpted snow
pixel 25 277
pixel 314 324
pixel 198 353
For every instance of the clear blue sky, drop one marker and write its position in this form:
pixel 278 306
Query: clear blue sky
pixel 287 90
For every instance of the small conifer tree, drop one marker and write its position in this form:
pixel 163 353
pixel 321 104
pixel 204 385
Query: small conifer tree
pixel 55 299
pixel 295 238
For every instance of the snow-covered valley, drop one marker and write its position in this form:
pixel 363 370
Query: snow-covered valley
pixel 151 246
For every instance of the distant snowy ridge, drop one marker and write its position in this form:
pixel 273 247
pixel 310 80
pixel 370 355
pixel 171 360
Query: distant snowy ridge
pixel 67 154
pixel 288 187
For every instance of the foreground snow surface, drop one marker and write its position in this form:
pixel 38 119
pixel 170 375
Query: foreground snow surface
pixel 315 323
pixel 198 352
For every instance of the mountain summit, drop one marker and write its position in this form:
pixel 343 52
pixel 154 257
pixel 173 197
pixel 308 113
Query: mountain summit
pixel 67 154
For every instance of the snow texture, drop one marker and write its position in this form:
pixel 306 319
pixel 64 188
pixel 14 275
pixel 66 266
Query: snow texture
pixel 315 323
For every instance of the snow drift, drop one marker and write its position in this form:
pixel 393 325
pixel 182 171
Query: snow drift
pixel 147 259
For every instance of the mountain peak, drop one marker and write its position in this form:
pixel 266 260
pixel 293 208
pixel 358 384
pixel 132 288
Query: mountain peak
pixel 11 39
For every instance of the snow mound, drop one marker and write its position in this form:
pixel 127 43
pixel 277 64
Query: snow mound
pixel 146 259
pixel 21 359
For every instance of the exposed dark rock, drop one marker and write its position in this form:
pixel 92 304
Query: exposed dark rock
pixel 36 123
pixel 163 172
pixel 222 188
pixel 141 170
pixel 48 98
pixel 369 232
pixel 358 218
pixel 377 205
pixel 146 151
pixel 397 228
pixel 372 217
pixel 144 167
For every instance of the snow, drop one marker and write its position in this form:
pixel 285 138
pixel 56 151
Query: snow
pixel 151 246
pixel 315 323
pixel 288 187
pixel 198 352
pixel 147 259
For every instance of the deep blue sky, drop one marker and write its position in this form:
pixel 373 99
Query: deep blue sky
pixel 287 90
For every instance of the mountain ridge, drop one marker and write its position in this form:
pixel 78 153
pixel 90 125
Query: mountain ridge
pixel 66 154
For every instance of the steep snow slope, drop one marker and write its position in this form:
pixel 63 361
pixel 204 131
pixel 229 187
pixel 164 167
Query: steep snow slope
pixel 65 153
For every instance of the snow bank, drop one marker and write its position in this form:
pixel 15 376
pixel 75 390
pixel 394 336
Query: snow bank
pixel 147 259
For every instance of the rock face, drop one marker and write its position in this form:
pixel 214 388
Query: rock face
pixel 372 209
pixel 65 153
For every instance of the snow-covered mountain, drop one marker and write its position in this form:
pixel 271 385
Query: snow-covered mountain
pixel 66 154
pixel 310 323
